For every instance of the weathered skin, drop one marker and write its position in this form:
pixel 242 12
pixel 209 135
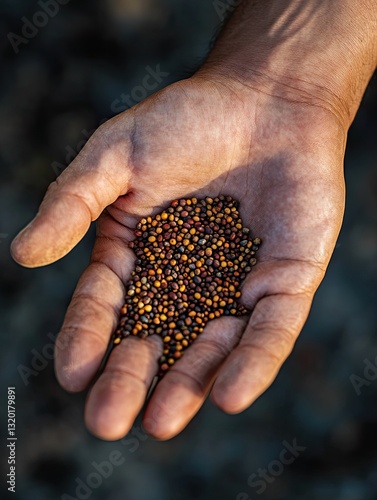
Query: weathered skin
pixel 265 120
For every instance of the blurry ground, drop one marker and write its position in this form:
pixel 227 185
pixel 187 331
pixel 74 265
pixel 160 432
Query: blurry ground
pixel 58 88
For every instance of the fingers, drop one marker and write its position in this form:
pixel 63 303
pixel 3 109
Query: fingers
pixel 96 178
pixel 89 321
pixel 92 314
pixel 119 394
pixel 267 341
pixel 182 391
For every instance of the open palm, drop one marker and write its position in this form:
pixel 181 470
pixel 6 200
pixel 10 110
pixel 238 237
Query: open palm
pixel 281 159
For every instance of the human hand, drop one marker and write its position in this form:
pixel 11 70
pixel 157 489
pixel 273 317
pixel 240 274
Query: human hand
pixel 280 152
pixel 195 138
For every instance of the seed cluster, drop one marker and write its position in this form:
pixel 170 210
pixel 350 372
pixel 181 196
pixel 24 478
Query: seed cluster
pixel 191 260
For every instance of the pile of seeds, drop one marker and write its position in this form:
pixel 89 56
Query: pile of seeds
pixel 191 261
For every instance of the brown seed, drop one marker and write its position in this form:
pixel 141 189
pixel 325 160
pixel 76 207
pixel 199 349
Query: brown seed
pixel 200 252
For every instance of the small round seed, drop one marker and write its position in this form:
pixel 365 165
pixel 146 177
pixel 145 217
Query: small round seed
pixel 200 254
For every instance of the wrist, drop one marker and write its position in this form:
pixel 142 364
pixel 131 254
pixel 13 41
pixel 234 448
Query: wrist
pixel 314 52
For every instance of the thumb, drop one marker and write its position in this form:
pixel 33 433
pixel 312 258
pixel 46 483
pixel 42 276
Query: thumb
pixel 94 180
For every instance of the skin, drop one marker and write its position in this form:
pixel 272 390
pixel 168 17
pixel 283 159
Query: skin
pixel 265 120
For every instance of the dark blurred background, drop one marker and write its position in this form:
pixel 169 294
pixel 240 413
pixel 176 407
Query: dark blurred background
pixel 55 90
